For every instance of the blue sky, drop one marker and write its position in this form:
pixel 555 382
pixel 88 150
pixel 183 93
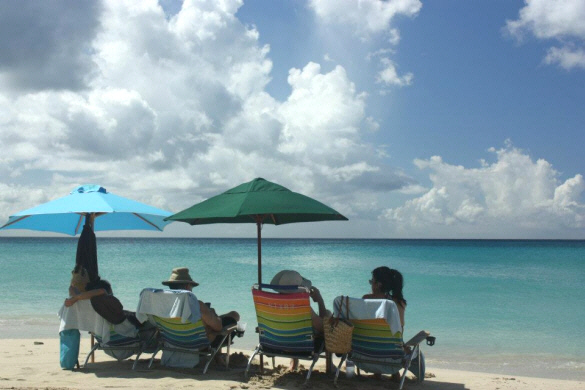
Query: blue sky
pixel 447 119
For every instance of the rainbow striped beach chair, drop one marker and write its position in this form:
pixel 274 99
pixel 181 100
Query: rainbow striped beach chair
pixel 285 327
pixel 377 345
pixel 179 324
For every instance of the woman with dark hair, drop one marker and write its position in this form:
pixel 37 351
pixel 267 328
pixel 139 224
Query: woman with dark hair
pixel 387 284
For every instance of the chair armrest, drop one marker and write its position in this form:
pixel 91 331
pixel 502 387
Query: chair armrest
pixel 418 338
pixel 228 329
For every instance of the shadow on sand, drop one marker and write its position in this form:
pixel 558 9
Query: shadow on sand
pixel 278 378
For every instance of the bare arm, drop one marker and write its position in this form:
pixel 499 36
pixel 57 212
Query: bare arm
pixel 84 295
pixel 210 319
pixel 317 298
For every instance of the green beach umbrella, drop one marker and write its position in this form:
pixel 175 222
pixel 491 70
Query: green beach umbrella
pixel 261 202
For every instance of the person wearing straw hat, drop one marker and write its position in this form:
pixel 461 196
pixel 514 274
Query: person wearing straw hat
pixel 181 280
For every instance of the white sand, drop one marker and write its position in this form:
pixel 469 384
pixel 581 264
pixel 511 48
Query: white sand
pixel 24 364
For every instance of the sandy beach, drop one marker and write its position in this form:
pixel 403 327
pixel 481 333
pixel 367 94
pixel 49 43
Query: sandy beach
pixel 34 364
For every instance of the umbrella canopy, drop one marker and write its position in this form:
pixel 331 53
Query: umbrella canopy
pixel 66 215
pixel 258 201
pixel 99 209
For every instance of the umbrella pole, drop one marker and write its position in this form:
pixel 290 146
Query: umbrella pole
pixel 259 230
pixel 89 217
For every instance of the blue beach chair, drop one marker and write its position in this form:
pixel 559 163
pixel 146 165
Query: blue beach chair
pixel 118 346
pixel 377 345
pixel 119 341
pixel 175 313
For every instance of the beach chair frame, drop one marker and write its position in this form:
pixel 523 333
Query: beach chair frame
pixel 400 360
pixel 200 345
pixel 117 343
pixel 294 342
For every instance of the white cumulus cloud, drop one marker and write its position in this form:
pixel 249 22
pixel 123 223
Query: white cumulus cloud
pixel 559 20
pixel 366 16
pixel 171 109
pixel 389 75
pixel 369 18
pixel 505 199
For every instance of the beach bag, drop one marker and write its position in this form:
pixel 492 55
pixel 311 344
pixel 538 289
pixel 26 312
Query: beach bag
pixel 69 340
pixel 338 331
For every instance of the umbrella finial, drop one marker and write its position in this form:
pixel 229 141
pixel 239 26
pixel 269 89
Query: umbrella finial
pixel 84 189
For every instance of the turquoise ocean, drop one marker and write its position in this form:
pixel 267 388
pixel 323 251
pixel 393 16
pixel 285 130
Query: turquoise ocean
pixel 508 307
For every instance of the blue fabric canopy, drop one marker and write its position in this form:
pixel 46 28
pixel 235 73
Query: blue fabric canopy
pixel 66 215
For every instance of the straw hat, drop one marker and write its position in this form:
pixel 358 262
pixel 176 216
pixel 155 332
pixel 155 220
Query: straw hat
pixel 290 278
pixel 180 276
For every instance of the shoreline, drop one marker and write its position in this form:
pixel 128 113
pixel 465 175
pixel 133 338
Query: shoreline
pixel 26 363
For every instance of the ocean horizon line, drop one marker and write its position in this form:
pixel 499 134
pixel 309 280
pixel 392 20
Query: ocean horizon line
pixel 307 238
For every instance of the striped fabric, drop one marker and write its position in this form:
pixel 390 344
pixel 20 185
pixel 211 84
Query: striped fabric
pixel 373 339
pixel 117 340
pixel 182 335
pixel 284 321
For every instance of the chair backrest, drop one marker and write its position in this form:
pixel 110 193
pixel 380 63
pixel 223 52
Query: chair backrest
pixel 284 320
pixel 116 339
pixel 176 315
pixel 180 334
pixel 373 319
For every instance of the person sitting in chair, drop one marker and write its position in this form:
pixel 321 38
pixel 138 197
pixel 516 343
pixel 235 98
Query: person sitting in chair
pixel 181 280
pixel 102 298
pixel 387 283
pixel 293 278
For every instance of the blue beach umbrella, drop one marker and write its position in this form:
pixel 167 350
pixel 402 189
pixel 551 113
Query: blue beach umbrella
pixel 86 209
pixel 110 212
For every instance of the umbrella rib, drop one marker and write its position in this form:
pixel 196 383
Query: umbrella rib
pixel 16 220
pixel 148 222
pixel 79 223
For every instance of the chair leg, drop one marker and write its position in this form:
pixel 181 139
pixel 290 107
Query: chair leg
pixel 209 361
pixel 273 362
pixel 402 379
pixel 407 365
pixel 227 359
pixel 136 361
pixel 250 361
pixel 339 368
pixel 90 354
pixel 311 368
pixel 420 379
pixel 152 358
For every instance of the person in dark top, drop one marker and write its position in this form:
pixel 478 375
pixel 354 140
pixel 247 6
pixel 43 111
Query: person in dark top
pixel 104 303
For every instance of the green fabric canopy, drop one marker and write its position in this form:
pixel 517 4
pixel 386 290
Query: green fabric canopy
pixel 258 201
pixel 259 198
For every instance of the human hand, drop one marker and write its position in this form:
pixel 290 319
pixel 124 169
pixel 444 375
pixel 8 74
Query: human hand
pixel 315 294
pixel 73 291
pixel 70 301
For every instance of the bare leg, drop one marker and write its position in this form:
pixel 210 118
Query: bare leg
pixel 294 365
